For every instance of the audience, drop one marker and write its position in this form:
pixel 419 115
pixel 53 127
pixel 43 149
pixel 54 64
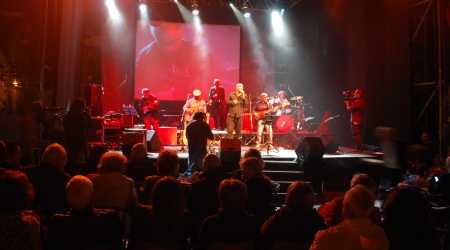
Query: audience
pixel 407 220
pixel 84 227
pixel 49 180
pixel 203 197
pixel 232 227
pixel 356 231
pixel 332 210
pixel 260 189
pixel 164 224
pixel 19 228
pixel 295 224
pixel 112 189
pixel 166 165
pixel 139 166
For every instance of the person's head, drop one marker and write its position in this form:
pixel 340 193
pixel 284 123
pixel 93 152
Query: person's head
pixel 217 82
pixel 16 191
pixel 364 180
pixel 138 152
pixel 79 192
pixel 300 196
pixel 251 167
pixel 253 152
pixel 77 106
pixel 240 87
pixel 358 203
pixel 55 155
pixel 232 194
pixel 406 205
pixel 197 93
pixel 145 92
pixel 167 198
pixel 167 163
pixel 211 163
pixel 199 116
pixel 282 94
pixel 264 97
pixel 112 161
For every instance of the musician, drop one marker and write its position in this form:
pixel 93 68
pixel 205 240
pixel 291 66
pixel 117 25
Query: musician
pixel 149 109
pixel 236 103
pixel 197 132
pixel 217 104
pixel 263 108
pixel 354 103
pixel 281 103
pixel 193 105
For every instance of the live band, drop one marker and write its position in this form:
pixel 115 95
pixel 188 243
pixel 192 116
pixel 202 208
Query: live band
pixel 227 113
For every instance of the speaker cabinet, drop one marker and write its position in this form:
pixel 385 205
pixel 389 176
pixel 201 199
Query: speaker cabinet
pixel 310 149
pixel 168 135
pixel 230 154
pixel 153 141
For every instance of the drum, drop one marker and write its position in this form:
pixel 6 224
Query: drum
pixel 249 122
pixel 284 123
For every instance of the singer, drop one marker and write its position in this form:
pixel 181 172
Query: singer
pixel 236 103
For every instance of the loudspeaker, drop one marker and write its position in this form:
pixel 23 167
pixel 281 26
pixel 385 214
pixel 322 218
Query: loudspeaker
pixel 168 135
pixel 153 141
pixel 129 138
pixel 310 149
pixel 230 154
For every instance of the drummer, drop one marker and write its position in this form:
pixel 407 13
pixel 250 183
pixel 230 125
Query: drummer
pixel 281 104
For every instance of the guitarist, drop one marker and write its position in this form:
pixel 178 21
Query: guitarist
pixel 149 107
pixel 263 108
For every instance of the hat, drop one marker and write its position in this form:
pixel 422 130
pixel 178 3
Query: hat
pixel 196 92
pixel 145 90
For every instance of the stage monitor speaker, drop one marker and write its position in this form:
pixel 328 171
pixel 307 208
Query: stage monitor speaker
pixel 129 138
pixel 96 132
pixel 153 141
pixel 230 154
pixel 168 135
pixel 310 149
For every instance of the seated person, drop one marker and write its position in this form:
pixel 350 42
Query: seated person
pixel 296 223
pixel 84 227
pixel 232 226
pixel 164 224
pixel 19 227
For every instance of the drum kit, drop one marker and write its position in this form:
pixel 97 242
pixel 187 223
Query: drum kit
pixel 286 119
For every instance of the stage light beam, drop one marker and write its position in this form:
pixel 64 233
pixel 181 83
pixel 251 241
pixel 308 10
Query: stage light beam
pixel 277 23
pixel 142 8
pixel 113 11
pixel 195 12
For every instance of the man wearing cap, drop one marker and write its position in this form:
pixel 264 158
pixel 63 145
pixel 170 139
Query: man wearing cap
pixel 236 104
pixel 193 105
pixel 149 109
pixel 216 103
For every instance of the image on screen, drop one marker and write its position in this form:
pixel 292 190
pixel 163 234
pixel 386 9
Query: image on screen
pixel 173 59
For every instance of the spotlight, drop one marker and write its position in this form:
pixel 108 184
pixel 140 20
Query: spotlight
pixel 175 1
pixel 15 83
pixel 245 9
pixel 112 10
pixel 231 5
pixel 277 23
pixel 142 7
pixel 195 10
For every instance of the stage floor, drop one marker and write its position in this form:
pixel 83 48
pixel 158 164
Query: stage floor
pixel 281 154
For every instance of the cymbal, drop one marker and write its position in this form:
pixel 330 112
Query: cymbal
pixel 296 98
